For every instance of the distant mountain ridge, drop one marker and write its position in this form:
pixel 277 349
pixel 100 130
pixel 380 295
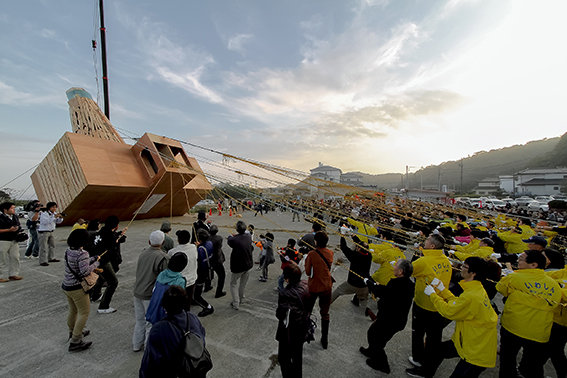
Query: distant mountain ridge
pixel 544 153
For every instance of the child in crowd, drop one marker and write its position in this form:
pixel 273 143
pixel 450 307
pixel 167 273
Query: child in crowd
pixel 267 255
pixel 287 254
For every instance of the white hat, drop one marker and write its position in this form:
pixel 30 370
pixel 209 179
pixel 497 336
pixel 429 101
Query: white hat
pixel 157 238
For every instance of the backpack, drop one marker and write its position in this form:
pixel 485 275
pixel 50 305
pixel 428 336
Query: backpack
pixel 195 358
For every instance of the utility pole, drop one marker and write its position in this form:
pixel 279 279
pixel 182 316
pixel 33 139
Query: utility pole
pixel 439 179
pixel 461 164
pixel 104 68
pixel 407 180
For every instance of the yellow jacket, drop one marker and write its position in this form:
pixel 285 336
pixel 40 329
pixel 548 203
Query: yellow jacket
pixel 364 229
pixel 514 243
pixel 549 235
pixel 527 231
pixel 502 221
pixel 474 244
pixel 454 225
pixel 475 336
pixel 77 226
pixel 483 252
pixel 383 254
pixel 560 276
pixel 433 264
pixel 533 296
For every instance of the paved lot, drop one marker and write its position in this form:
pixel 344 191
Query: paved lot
pixel 33 331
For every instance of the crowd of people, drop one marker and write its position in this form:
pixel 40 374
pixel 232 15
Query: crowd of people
pixel 442 266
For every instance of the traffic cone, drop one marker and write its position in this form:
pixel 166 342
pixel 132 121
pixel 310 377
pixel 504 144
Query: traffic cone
pixel 230 213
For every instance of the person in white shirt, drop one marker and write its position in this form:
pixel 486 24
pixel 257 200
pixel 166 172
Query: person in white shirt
pixel 190 271
pixel 47 222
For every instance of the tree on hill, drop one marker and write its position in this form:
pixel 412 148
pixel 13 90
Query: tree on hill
pixel 546 153
pixel 556 157
pixel 5 194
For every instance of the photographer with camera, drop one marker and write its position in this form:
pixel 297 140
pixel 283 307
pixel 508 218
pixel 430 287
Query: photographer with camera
pixel 9 231
pixel 33 209
pixel 48 219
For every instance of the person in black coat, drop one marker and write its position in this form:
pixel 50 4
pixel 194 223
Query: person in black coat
pixel 199 225
pixel 293 313
pixel 9 246
pixel 218 260
pixel 393 309
pixel 107 246
pixel 240 263
pixel 360 261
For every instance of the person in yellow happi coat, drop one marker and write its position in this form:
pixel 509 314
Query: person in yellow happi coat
pixel 532 298
pixel 558 336
pixel 364 229
pixel 475 339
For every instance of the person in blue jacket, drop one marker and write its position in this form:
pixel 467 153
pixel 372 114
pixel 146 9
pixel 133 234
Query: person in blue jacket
pixel 169 277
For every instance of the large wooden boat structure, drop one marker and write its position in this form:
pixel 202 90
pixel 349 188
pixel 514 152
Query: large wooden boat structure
pixel 92 173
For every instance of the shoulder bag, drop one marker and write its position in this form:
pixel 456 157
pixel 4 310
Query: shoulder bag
pixel 87 282
pixel 310 324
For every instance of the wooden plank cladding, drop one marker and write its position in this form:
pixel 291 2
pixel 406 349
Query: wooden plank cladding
pixel 91 173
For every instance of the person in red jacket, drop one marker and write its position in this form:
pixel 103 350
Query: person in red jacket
pixel 318 269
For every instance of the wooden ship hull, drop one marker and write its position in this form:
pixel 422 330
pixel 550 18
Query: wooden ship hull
pixel 91 173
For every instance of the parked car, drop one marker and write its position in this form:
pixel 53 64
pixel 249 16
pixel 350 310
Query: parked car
pixel 543 198
pixel 494 204
pixel 20 212
pixel 562 197
pixel 510 201
pixel 463 201
pixel 205 202
pixel 475 202
pixel 523 202
pixel 540 205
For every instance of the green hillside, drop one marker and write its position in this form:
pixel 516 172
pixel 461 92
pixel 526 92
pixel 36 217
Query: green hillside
pixel 545 153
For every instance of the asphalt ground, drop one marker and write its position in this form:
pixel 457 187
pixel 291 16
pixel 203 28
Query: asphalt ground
pixel 33 313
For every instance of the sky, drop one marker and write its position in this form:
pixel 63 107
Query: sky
pixel 370 86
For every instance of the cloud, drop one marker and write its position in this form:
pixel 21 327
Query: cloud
pixel 236 42
pixel 47 33
pixel 11 96
pixel 352 70
pixel 174 63
pixel 373 121
pixel 121 111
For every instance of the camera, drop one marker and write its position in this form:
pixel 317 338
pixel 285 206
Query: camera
pixel 34 205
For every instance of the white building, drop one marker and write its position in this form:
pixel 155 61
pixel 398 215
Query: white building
pixel 326 172
pixel 536 182
pixel 507 183
pixel 352 179
pixel 487 185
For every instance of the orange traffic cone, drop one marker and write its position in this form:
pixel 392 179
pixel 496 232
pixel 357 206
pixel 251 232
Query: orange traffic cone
pixel 230 213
